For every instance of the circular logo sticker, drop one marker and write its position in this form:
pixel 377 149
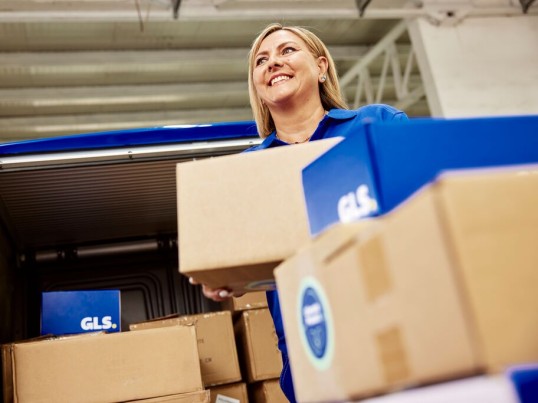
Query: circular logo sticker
pixel 315 323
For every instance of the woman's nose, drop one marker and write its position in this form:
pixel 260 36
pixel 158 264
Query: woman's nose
pixel 274 62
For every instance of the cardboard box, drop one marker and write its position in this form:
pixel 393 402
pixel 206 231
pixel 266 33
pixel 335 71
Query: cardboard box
pixel 372 172
pixel 442 287
pixel 202 396
pixel 103 367
pixel 216 344
pixel 231 393
pixel 72 312
pixel 257 344
pixel 267 392
pixel 250 300
pixel 239 216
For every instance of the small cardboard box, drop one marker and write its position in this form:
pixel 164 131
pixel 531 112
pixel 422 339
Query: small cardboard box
pixel 103 367
pixel 72 312
pixel 442 287
pixel 216 344
pixel 201 396
pixel 250 300
pixel 372 172
pixel 231 393
pixel 258 345
pixel 267 392
pixel 239 216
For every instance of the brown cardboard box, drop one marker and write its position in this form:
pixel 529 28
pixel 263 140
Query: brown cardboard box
pixel 442 287
pixel 216 344
pixel 231 393
pixel 202 396
pixel 251 300
pixel 7 365
pixel 258 345
pixel 104 367
pixel 240 215
pixel 267 392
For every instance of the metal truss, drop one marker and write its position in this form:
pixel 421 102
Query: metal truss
pixel 369 90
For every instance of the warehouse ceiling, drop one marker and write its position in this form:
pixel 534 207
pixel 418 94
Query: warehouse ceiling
pixel 84 66
pixel 79 66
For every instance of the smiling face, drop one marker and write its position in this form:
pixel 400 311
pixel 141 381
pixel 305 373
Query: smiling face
pixel 285 71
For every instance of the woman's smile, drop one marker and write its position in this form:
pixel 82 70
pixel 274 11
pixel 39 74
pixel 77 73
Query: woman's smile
pixel 279 79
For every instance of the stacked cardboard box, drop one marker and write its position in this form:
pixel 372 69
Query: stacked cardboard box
pixel 216 344
pixel 126 366
pixel 442 287
pixel 230 393
pixel 257 345
pixel 250 300
pixel 268 391
pixel 219 362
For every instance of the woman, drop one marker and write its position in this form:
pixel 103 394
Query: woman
pixel 295 97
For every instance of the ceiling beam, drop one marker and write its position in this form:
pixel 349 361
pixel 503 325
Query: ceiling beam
pixel 53 69
pixel 19 128
pixel 242 10
pixel 128 98
pixel 152 56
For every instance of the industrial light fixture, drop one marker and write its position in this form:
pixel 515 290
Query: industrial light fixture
pixel 525 5
pixel 175 7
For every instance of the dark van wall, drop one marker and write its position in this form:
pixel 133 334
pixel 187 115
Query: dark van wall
pixel 150 285
pixel 6 295
pixel 7 290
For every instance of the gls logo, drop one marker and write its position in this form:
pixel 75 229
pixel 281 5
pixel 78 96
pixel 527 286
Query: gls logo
pixel 92 323
pixel 353 206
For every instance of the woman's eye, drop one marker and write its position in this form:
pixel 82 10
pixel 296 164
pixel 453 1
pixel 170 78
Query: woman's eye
pixel 287 50
pixel 261 60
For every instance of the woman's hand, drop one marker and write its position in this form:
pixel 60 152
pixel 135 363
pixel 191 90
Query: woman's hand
pixel 216 294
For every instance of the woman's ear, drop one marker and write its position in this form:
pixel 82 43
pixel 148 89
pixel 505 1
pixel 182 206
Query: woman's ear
pixel 323 65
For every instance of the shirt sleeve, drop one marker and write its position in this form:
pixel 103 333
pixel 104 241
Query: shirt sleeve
pixel 382 112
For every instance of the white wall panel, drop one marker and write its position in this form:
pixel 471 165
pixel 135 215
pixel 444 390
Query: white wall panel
pixel 479 67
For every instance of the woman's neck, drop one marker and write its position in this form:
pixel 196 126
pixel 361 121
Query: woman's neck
pixel 297 125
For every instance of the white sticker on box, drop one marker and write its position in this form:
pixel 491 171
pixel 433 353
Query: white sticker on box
pixel 226 399
pixel 315 323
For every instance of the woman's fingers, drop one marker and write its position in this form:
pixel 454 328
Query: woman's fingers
pixel 216 294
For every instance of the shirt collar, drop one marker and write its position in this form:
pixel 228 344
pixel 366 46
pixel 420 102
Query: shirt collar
pixel 271 141
pixel 339 114
pixel 342 114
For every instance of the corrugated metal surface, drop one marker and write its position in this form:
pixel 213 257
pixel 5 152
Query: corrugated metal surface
pixel 101 202
pixel 76 205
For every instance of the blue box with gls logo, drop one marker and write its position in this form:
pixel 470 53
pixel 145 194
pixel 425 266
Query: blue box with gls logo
pixel 71 312
pixel 373 171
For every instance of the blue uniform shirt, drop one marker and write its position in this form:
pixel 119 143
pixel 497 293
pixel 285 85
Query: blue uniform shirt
pixel 336 123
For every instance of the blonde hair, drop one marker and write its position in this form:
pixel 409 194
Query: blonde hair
pixel 330 94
